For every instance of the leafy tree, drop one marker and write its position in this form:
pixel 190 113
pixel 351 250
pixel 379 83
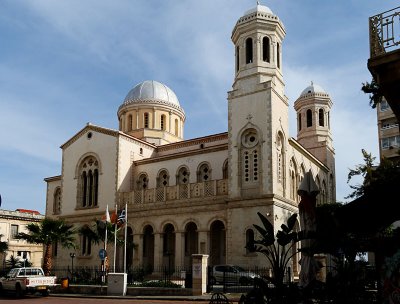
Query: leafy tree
pixel 277 249
pixel 375 95
pixel 47 232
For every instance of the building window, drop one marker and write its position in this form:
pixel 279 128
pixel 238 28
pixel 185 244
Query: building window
pixel 225 170
pixel 309 118
pixel 321 117
pixel 249 50
pixel 237 59
pixel 163 179
pixel 14 231
pixel 86 246
pixel 169 241
pixel 390 142
pixel 146 120
pixel 280 158
pixel 250 156
pixel 278 55
pixel 176 127
pixel 130 122
pixel 299 121
pixel 249 239
pixel 265 48
pixel 183 176
pixel 204 173
pixel 54 249
pixel 88 183
pixel 384 106
pixel 143 182
pixel 57 201
pixel 162 122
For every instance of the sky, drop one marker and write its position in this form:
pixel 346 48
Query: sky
pixel 69 62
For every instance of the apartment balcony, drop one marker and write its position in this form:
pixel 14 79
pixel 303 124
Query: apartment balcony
pixel 384 62
pixel 208 189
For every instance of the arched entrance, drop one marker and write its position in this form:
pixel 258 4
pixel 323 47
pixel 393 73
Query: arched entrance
pixel 217 243
pixel 191 243
pixel 148 248
pixel 169 247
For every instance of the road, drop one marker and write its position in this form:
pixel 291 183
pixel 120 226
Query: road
pixel 82 300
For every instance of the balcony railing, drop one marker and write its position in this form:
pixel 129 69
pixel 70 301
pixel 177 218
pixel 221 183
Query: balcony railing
pixel 384 32
pixel 177 192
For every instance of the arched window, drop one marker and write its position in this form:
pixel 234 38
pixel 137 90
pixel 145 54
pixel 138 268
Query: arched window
pixel 321 117
pixel 163 179
pixel 142 182
pixel 88 183
pixel 299 121
pixel 265 48
pixel 237 59
pixel 249 239
pixel 130 122
pixel 86 245
pixel 176 127
pixel 280 158
pixel 57 201
pixel 204 173
pixel 278 55
pixel 183 176
pixel 146 120
pixel 293 180
pixel 309 118
pixel 250 157
pixel 162 122
pixel 225 170
pixel 249 50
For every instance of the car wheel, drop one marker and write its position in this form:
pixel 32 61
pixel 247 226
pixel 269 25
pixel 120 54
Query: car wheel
pixel 18 291
pixel 244 281
pixel 45 293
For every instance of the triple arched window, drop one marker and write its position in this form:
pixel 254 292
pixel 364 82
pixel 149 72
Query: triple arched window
pixel 88 183
pixel 309 118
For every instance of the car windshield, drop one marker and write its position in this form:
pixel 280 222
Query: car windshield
pixel 239 269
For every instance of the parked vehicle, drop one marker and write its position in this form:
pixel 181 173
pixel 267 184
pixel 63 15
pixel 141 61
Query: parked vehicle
pixel 27 280
pixel 231 274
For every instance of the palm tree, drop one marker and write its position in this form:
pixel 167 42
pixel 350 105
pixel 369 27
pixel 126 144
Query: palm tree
pixel 48 232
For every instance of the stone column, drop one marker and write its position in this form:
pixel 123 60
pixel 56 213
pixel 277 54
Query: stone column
pixel 179 248
pixel 199 274
pixel 158 250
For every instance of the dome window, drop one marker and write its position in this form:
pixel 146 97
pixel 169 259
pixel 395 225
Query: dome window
pixel 249 50
pixel 162 122
pixel 146 120
pixel 299 121
pixel 237 59
pixel 278 55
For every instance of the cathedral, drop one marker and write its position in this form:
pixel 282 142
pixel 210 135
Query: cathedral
pixel 200 195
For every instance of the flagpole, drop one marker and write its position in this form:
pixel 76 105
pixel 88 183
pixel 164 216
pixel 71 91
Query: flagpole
pixel 126 230
pixel 115 234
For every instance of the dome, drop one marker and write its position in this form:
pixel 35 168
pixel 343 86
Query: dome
pixel 259 8
pixel 313 88
pixel 152 91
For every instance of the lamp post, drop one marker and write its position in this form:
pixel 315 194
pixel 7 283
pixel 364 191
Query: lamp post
pixel 72 255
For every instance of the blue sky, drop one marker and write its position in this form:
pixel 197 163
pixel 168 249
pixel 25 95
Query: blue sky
pixel 68 62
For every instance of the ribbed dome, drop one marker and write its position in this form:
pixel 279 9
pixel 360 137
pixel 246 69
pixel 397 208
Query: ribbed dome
pixel 313 88
pixel 259 8
pixel 152 91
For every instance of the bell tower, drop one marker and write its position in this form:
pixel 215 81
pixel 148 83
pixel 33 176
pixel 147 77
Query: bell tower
pixel 257 106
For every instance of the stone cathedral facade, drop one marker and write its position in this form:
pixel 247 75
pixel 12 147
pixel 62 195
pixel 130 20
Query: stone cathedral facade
pixel 201 195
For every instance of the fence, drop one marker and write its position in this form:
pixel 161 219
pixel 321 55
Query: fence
pixel 136 276
pixel 384 32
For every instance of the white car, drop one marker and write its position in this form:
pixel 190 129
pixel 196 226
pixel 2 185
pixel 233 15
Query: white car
pixel 231 274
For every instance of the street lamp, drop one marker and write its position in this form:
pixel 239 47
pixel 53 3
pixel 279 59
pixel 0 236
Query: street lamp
pixel 72 255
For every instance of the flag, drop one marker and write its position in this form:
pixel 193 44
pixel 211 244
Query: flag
pixel 107 216
pixel 121 217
